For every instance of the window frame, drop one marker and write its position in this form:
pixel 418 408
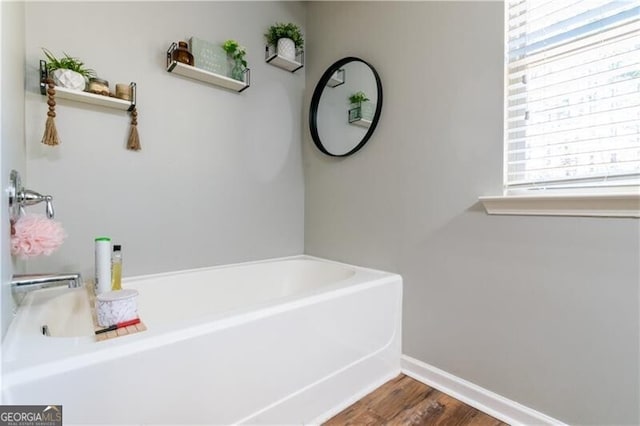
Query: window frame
pixel 603 201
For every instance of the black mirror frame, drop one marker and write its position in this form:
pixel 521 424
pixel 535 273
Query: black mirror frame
pixel 315 100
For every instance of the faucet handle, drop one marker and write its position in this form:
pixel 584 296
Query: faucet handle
pixel 48 199
pixel 20 196
pixel 27 197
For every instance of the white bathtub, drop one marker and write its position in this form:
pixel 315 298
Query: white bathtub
pixel 284 341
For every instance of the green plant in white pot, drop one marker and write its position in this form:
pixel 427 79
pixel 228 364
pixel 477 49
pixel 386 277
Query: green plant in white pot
pixel 68 72
pixel 287 38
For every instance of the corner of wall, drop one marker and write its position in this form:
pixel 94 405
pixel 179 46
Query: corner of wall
pixel 12 95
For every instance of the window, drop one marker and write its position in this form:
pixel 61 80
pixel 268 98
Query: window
pixel 572 98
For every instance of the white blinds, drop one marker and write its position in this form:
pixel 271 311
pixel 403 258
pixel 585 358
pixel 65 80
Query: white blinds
pixel 572 113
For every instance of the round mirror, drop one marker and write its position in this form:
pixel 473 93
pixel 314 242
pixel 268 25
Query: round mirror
pixel 345 107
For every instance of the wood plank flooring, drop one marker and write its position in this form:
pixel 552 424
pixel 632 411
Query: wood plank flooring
pixel 405 401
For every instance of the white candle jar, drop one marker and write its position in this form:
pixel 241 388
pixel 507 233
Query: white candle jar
pixel 113 307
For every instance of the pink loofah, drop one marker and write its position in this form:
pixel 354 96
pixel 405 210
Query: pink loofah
pixel 34 234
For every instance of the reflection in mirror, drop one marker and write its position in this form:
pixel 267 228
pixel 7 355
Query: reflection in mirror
pixel 345 107
pixel 337 78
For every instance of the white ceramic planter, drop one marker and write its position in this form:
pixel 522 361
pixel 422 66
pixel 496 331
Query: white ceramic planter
pixel 68 79
pixel 287 48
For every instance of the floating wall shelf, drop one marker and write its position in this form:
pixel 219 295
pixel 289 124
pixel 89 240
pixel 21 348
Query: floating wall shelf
pixel 361 122
pixel 337 78
pixel 91 98
pixel 86 97
pixel 206 76
pixel 279 61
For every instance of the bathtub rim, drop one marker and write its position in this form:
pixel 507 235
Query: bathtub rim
pixel 88 352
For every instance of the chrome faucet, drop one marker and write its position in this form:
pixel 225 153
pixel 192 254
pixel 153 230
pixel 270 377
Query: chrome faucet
pixel 28 282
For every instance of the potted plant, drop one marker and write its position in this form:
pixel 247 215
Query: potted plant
pixel 287 39
pixel 358 98
pixel 236 54
pixel 356 101
pixel 68 72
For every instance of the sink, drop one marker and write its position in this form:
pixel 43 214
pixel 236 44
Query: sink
pixel 66 312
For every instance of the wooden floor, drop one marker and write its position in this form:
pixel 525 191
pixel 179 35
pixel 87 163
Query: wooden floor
pixel 405 401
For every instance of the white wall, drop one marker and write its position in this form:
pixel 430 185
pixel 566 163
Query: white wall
pixel 219 178
pixel 12 155
pixel 542 310
pixel 12 152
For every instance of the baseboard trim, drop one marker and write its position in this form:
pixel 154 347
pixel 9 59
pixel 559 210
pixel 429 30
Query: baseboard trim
pixel 484 400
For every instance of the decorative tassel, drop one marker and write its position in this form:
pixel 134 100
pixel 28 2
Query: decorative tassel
pixel 50 136
pixel 134 140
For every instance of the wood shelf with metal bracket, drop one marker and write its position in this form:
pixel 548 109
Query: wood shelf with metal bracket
pixel 361 122
pixel 205 76
pixel 337 79
pixel 86 97
pixel 293 65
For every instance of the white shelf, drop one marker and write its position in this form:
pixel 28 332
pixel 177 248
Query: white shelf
pixel 336 79
pixel 603 205
pixel 206 76
pixel 362 123
pixel 91 98
pixel 284 63
pixel 334 82
pixel 86 97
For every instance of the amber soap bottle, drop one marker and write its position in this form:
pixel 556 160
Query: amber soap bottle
pixel 116 268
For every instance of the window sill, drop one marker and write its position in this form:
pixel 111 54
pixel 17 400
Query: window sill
pixel 594 205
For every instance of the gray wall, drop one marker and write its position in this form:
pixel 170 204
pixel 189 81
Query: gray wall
pixel 12 154
pixel 219 178
pixel 542 310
